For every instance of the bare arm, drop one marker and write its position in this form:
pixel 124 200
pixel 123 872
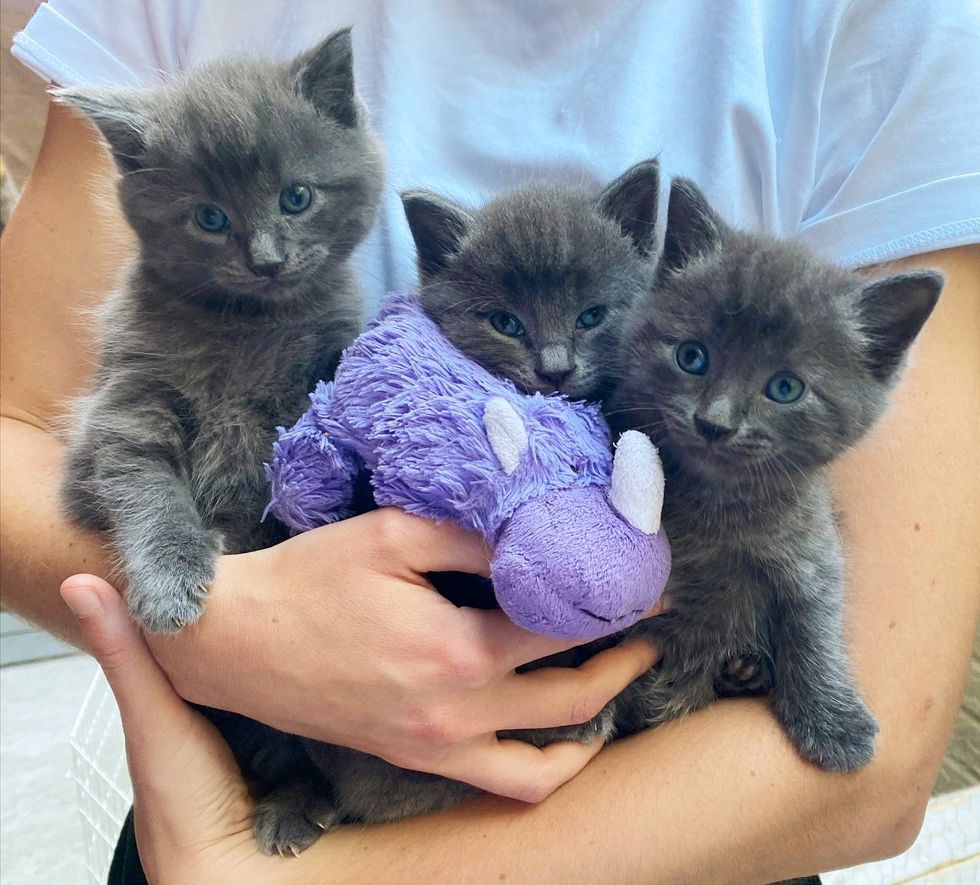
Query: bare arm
pixel 721 796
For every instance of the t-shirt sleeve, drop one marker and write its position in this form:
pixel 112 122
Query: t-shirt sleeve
pixel 105 42
pixel 897 168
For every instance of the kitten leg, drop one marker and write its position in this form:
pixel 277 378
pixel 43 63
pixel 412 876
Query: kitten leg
pixel 814 696
pixel 131 453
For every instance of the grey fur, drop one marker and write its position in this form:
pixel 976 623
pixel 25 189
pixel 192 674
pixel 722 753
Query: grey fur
pixel 217 338
pixel 203 352
pixel 756 588
pixel 544 254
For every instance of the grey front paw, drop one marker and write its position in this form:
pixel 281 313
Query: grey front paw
pixel 169 582
pixel 836 736
pixel 291 819
pixel 599 728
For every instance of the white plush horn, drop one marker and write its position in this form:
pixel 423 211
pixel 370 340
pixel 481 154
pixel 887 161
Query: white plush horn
pixel 637 490
pixel 506 432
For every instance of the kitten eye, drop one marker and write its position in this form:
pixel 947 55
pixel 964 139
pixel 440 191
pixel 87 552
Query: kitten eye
pixel 784 388
pixel 692 357
pixel 507 324
pixel 295 198
pixel 210 218
pixel 590 318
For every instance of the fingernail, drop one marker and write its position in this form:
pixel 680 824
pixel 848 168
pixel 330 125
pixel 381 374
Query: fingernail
pixel 81 599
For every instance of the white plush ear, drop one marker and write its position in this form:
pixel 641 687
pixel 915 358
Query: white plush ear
pixel 506 432
pixel 637 490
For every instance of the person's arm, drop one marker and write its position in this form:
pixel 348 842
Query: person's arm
pixel 347 601
pixel 719 796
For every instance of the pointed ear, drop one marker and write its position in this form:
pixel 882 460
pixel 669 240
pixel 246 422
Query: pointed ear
pixel 119 115
pixel 693 227
pixel 438 227
pixel 631 201
pixel 892 312
pixel 324 76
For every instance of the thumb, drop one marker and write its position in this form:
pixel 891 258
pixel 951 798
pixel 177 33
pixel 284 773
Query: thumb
pixel 147 702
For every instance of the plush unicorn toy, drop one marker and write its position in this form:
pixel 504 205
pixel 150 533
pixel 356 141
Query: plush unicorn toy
pixel 578 551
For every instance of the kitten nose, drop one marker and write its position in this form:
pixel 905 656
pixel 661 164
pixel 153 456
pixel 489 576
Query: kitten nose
pixel 554 364
pixel 713 432
pixel 265 268
pixel 264 255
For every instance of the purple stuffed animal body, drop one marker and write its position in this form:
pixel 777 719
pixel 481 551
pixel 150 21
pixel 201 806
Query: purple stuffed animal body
pixel 578 551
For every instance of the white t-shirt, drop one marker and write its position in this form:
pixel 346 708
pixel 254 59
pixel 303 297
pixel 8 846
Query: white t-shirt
pixel 852 124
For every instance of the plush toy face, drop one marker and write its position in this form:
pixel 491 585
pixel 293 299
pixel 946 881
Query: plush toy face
pixel 584 561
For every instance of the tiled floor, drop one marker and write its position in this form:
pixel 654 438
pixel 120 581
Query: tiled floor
pixel 40 827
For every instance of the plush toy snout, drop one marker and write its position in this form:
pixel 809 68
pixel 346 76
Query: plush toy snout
pixel 568 564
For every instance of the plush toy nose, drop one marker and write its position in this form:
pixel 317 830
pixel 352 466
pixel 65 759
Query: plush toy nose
pixel 567 565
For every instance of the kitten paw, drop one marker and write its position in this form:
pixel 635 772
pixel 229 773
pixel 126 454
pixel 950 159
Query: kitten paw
pixel 291 819
pixel 837 738
pixel 168 585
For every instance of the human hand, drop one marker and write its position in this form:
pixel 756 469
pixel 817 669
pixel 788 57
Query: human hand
pixel 192 810
pixel 336 635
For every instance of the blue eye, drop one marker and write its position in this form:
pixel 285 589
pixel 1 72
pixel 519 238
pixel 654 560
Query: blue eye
pixel 210 218
pixel 590 318
pixel 784 388
pixel 692 357
pixel 295 198
pixel 507 324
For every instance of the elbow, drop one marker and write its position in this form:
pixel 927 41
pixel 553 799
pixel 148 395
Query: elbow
pixel 890 803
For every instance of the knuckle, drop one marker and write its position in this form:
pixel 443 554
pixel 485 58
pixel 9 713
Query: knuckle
pixel 388 529
pixel 432 727
pixel 537 788
pixel 586 703
pixel 465 666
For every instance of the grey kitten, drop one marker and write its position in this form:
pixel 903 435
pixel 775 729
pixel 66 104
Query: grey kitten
pixel 753 365
pixel 248 184
pixel 536 284
pixel 534 287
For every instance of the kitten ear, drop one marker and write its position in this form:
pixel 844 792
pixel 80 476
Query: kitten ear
pixel 693 227
pixel 119 115
pixel 631 201
pixel 892 312
pixel 325 78
pixel 438 227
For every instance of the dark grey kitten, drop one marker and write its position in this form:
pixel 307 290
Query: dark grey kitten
pixel 534 287
pixel 753 365
pixel 248 185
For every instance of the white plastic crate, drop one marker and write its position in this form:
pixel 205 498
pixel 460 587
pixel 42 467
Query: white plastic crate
pixel 101 776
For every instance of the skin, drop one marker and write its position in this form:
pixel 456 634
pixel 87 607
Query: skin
pixel 719 796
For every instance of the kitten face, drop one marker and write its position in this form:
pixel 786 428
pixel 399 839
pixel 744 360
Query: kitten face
pixel 753 357
pixel 244 180
pixel 535 287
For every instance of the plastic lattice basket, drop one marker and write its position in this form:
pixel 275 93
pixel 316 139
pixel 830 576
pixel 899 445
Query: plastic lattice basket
pixel 99 770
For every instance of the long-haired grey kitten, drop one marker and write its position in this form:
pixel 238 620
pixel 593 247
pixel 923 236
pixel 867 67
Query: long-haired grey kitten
pixel 753 365
pixel 248 185
pixel 534 287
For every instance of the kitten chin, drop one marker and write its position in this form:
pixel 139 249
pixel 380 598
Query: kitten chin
pixel 535 285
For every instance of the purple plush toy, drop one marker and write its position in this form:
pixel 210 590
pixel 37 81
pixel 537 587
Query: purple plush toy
pixel 577 548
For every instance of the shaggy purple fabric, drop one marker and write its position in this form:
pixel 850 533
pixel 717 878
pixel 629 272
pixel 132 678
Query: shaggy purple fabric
pixel 410 406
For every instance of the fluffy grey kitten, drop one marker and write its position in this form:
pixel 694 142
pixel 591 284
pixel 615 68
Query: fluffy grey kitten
pixel 534 287
pixel 753 365
pixel 248 185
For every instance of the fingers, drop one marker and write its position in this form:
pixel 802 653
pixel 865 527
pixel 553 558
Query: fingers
pixel 147 702
pixel 521 771
pixel 556 696
pixel 425 545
